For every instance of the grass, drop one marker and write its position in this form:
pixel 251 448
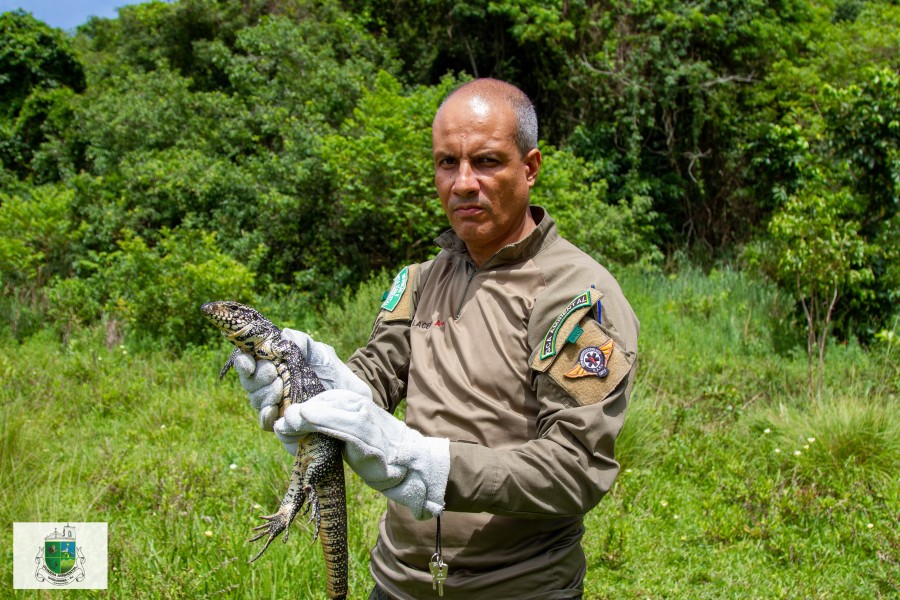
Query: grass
pixel 733 484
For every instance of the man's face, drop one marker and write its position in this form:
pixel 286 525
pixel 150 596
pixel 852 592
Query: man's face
pixel 482 179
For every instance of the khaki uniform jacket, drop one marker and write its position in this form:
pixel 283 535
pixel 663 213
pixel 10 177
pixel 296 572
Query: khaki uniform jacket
pixel 526 365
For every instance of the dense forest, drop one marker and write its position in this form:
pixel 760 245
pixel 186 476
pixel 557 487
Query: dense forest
pixel 271 149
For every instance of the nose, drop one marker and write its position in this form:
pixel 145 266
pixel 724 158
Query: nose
pixel 466 183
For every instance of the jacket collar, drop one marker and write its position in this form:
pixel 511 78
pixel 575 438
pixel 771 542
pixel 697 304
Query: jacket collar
pixel 528 247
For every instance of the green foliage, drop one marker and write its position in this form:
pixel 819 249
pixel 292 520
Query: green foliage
pixel 780 157
pixel 711 500
pixel 346 320
pixel 245 159
pixel 148 112
pixel 158 291
pixel 851 434
pixel 614 234
pixel 271 58
pixel 78 302
pixel 816 243
pixel 33 55
pixel 39 72
pixel 843 47
pixel 385 210
pixel 181 187
pixel 832 175
pixel 297 130
pixel 176 34
pixel 43 143
pixel 815 250
pixel 864 121
pixel 668 81
pixel 35 239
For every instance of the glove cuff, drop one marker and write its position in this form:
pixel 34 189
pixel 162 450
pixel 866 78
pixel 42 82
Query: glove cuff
pixel 323 359
pixel 435 476
pixel 422 486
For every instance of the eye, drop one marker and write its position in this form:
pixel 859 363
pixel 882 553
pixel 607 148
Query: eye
pixel 447 161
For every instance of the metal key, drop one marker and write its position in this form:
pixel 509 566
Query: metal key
pixel 438 569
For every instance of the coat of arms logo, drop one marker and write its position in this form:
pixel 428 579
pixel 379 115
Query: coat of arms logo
pixel 60 562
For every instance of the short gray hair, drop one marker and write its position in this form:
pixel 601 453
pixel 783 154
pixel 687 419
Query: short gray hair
pixel 526 135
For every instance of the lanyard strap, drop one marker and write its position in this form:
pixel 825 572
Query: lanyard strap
pixel 437 538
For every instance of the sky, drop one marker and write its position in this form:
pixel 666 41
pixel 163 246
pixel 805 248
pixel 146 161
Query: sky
pixel 66 14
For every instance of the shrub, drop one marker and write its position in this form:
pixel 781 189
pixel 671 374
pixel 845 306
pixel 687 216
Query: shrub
pixel 35 238
pixel 386 210
pixel 846 432
pixel 574 194
pixel 157 292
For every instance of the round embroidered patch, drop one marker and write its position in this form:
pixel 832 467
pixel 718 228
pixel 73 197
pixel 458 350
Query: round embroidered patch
pixel 593 361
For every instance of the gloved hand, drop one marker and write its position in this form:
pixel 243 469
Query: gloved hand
pixel 391 457
pixel 259 379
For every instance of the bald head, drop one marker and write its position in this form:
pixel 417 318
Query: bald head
pixel 482 93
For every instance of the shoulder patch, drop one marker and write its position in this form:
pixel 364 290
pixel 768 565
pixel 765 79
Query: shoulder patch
pixel 392 298
pixel 590 369
pixel 397 304
pixel 564 325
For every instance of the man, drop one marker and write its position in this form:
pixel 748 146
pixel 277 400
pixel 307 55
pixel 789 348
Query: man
pixel 516 353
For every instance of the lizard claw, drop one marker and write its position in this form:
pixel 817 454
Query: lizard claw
pixel 314 514
pixel 280 521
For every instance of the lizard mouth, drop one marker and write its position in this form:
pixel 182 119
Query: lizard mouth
pixel 241 334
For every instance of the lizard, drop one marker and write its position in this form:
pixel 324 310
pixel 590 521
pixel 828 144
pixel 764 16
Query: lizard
pixel 317 476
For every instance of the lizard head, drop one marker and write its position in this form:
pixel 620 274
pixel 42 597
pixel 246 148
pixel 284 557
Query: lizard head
pixel 241 325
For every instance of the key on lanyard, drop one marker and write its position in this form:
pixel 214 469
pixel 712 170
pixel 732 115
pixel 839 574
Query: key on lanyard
pixel 438 569
pixel 437 566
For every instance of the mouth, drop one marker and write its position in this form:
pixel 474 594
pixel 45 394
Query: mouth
pixel 468 209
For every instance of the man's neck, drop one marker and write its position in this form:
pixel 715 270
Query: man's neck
pixel 481 255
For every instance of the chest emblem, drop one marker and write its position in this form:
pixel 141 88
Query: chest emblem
pixel 592 361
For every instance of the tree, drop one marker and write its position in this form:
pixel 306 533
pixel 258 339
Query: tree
pixel 33 55
pixel 818 252
pixel 863 127
pixel 38 73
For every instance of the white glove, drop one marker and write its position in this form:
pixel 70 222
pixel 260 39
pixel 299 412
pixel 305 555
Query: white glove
pixel 260 380
pixel 391 457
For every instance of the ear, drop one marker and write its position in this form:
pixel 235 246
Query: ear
pixel 532 162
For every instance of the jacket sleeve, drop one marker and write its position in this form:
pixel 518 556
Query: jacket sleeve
pixel 570 465
pixel 383 362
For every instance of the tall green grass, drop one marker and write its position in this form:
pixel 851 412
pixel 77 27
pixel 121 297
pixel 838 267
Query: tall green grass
pixel 733 484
